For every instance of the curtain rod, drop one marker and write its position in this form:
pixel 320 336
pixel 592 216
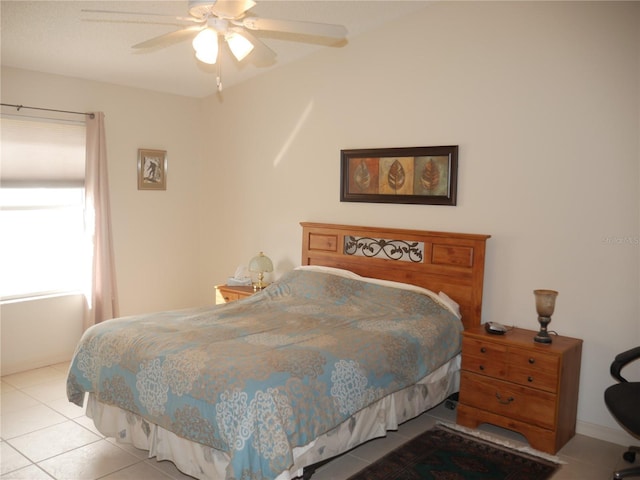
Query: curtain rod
pixel 18 107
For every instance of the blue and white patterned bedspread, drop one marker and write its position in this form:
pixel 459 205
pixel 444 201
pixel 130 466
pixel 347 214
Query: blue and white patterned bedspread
pixel 260 376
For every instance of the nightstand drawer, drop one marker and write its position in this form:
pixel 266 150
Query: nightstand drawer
pixel 477 348
pixel 532 377
pixel 483 357
pixel 534 369
pixel 484 366
pixel 537 361
pixel 230 296
pixel 529 405
pixel 231 293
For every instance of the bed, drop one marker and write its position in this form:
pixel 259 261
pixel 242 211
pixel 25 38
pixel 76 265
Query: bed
pixel 363 336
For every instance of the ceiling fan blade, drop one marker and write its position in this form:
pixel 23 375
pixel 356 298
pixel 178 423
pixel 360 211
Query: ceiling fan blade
pixel 118 12
pixel 232 8
pixel 294 26
pixel 145 14
pixel 168 38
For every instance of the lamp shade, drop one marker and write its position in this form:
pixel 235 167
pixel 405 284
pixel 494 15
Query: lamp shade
pixel 239 45
pixel 545 302
pixel 261 263
pixel 206 46
pixel 545 305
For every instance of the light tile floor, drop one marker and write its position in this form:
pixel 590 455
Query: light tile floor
pixel 43 436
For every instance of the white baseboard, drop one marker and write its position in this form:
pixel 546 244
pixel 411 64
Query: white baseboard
pixel 607 434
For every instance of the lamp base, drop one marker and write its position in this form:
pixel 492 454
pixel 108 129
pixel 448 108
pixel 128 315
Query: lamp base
pixel 543 336
pixel 260 284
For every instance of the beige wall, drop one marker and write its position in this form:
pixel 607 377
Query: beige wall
pixel 543 100
pixel 155 233
pixel 41 332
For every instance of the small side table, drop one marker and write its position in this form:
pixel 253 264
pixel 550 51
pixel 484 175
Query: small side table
pixel 229 293
pixel 511 381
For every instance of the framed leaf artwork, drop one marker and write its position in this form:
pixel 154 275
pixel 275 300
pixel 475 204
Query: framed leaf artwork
pixel 421 175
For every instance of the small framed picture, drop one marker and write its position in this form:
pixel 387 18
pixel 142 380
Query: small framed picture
pixel 152 169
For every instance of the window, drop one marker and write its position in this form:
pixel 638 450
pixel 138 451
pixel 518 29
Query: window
pixel 42 245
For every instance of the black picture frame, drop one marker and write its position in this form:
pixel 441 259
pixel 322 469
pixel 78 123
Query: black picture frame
pixel 409 175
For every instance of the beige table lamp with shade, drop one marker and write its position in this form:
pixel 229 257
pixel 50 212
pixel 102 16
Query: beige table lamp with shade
pixel 260 264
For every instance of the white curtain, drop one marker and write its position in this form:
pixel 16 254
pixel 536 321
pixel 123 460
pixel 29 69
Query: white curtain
pixel 102 299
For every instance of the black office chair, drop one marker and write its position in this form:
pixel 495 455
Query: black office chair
pixel 623 401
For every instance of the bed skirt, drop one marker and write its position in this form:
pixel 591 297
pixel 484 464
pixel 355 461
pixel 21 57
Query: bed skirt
pixel 207 463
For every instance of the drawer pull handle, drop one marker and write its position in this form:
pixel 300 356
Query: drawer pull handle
pixel 532 361
pixel 529 379
pixel 502 401
pixel 481 367
pixel 483 350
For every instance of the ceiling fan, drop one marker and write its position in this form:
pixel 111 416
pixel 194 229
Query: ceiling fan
pixel 213 21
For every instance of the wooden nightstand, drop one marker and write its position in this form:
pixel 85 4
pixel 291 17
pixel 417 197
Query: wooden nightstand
pixel 229 293
pixel 511 381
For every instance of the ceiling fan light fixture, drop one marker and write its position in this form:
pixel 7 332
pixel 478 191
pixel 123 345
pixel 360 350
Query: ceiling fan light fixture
pixel 239 45
pixel 213 21
pixel 207 57
pixel 206 46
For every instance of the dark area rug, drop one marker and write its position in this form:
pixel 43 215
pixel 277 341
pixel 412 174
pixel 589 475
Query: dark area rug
pixel 443 453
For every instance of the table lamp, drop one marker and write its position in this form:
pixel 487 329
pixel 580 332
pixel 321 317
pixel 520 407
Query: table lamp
pixel 545 305
pixel 260 264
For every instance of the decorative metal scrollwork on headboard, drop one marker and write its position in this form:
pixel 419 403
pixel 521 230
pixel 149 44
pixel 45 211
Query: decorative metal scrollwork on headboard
pixel 380 248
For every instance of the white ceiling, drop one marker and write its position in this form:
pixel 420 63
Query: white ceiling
pixel 55 36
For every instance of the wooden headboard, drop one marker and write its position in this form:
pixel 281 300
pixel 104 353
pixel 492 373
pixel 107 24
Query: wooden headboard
pixel 449 262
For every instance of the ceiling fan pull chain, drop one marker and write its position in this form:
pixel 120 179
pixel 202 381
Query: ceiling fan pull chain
pixel 219 75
